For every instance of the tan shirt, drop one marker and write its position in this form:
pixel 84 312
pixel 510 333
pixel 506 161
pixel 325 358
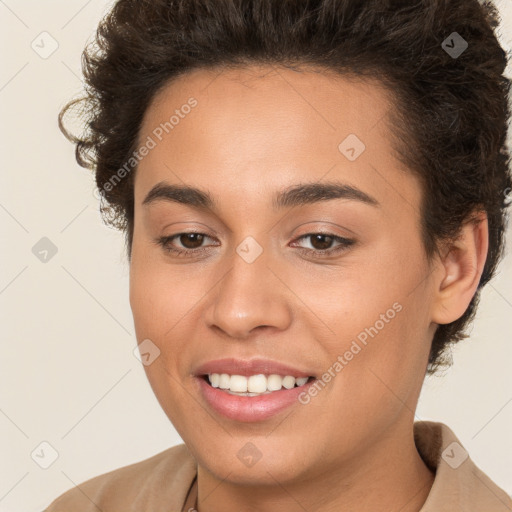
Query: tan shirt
pixel 167 481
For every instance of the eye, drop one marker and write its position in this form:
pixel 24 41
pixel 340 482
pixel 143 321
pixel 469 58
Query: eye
pixel 191 243
pixel 321 243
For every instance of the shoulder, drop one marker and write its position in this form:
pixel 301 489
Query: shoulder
pixel 163 479
pixel 459 483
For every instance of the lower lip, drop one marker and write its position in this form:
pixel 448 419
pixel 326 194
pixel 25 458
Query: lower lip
pixel 251 408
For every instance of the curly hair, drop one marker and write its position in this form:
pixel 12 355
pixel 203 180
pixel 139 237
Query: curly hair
pixel 450 119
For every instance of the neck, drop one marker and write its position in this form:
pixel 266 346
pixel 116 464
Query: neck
pixel 388 475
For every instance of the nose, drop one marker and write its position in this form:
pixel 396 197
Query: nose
pixel 250 297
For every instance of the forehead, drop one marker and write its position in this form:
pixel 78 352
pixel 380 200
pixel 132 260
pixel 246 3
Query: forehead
pixel 262 128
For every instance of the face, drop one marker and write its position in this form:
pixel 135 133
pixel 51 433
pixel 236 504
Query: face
pixel 332 282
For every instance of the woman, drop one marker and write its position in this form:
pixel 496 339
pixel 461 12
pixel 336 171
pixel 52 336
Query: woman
pixel 313 196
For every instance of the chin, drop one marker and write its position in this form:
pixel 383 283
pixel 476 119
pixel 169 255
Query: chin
pixel 240 462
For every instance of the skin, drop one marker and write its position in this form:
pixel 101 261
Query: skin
pixel 257 131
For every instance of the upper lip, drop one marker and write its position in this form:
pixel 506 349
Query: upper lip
pixel 246 368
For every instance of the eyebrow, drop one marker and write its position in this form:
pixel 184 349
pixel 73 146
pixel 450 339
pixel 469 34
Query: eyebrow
pixel 297 195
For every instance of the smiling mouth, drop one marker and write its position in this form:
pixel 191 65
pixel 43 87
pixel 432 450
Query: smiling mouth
pixel 254 385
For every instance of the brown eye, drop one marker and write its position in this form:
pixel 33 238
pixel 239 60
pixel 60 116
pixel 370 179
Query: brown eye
pixel 184 244
pixel 321 242
pixel 191 240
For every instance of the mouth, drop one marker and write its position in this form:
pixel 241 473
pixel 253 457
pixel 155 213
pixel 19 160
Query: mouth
pixel 251 390
pixel 251 398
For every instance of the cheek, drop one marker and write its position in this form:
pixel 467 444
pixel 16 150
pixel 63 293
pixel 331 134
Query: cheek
pixel 378 317
pixel 368 289
pixel 159 307
pixel 161 295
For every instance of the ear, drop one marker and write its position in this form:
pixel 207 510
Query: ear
pixel 462 264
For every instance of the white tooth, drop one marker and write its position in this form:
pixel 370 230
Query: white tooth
pixel 274 382
pixel 224 381
pixel 214 380
pixel 238 383
pixel 289 382
pixel 301 381
pixel 257 383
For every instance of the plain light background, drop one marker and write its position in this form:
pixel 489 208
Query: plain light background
pixel 68 376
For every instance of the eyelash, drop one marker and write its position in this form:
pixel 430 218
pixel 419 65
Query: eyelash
pixel 165 240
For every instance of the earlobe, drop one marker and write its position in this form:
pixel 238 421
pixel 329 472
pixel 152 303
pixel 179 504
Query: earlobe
pixel 462 265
